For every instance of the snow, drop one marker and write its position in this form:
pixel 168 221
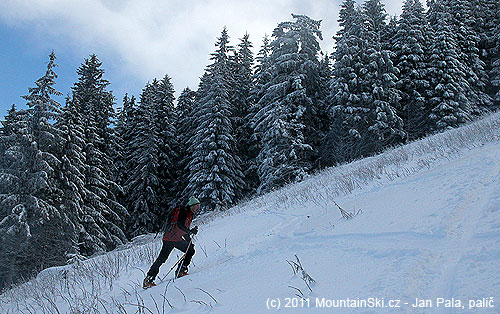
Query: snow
pixel 428 229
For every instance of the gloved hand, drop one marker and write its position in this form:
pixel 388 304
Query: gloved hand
pixel 194 230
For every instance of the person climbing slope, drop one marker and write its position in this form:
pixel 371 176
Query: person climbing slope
pixel 177 235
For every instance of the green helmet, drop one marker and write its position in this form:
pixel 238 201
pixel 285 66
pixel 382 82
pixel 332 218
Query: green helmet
pixel 193 201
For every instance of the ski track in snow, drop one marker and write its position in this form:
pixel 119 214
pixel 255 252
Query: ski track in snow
pixel 443 262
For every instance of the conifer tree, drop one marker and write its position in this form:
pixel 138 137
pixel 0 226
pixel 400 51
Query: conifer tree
pixel 464 22
pixel 410 46
pixel 345 89
pixel 102 213
pixel 144 185
pixel 261 77
pixel 14 225
pixel 375 21
pixel 184 130
pixel 364 99
pixel 495 60
pixel 261 74
pixel 485 14
pixel 243 84
pixel 97 103
pixel 53 235
pixel 36 230
pixel 448 101
pixel 164 121
pixel 325 122
pixel 215 174
pixel 241 102
pixel 73 170
pixel 287 119
pixel 123 132
pixel 385 127
pixel 12 119
pixel 485 20
pixel 390 33
pixel 15 124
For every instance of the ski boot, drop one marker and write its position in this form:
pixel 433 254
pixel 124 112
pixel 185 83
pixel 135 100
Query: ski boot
pixel 148 282
pixel 181 271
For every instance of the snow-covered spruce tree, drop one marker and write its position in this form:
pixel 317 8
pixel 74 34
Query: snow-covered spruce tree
pixel 243 83
pixel 287 119
pixel 261 74
pixel 485 13
pixel 95 104
pixel 385 126
pixel 36 231
pixel 53 235
pixel 123 130
pixel 345 90
pixel 464 22
pixel 495 62
pixel 261 77
pixel 164 120
pixel 215 174
pixel 144 186
pixel 311 79
pixel 183 115
pixel 91 91
pixel 320 118
pixel 483 23
pixel 14 227
pixel 325 121
pixel 241 102
pixel 390 33
pixel 8 129
pixel 409 47
pixel 375 18
pixel 364 99
pixel 73 169
pixel 447 99
pixel 184 131
pixel 15 124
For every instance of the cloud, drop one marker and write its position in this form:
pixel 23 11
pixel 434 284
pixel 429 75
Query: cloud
pixel 151 38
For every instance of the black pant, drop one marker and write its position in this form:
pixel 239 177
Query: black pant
pixel 167 247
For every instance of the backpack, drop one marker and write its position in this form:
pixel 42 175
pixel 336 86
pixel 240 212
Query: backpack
pixel 172 220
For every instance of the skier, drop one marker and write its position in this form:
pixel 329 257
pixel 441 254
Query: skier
pixel 177 234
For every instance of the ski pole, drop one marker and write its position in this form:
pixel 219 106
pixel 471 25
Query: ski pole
pixel 176 263
pixel 183 257
pixel 179 261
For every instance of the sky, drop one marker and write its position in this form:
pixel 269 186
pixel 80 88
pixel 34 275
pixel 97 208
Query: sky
pixel 137 41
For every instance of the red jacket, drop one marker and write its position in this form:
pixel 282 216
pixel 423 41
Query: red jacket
pixel 181 221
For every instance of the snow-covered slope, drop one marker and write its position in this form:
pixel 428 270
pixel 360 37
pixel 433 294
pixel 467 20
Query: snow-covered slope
pixel 426 229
